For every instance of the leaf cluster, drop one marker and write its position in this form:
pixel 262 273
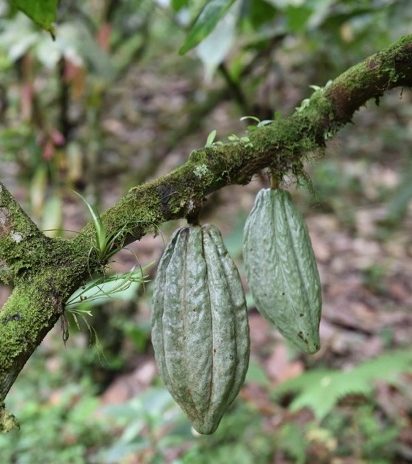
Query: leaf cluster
pixel 320 389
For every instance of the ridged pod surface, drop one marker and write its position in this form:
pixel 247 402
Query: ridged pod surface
pixel 281 268
pixel 200 330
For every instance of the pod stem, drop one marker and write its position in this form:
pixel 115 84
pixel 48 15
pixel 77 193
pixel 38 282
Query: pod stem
pixel 274 180
pixel 192 216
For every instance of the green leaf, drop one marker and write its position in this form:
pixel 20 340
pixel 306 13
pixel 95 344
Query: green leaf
pixel 100 231
pixel 215 47
pixel 265 122
pixel 177 5
pixel 256 374
pixel 52 216
pixel 320 390
pixel 206 21
pixel 253 118
pixel 297 17
pixel 105 289
pixel 211 138
pixel 292 440
pixel 42 12
pixel 260 12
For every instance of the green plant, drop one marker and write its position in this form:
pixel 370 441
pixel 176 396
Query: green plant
pixel 106 244
pixel 62 427
pixel 377 438
pixel 241 438
pixel 107 288
pixel 200 329
pixel 150 423
pixel 206 21
pixel 320 390
pixel 374 277
pixel 211 138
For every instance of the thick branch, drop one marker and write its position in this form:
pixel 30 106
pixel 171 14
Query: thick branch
pixel 46 271
pixel 20 239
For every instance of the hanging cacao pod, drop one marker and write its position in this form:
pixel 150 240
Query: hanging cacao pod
pixel 281 268
pixel 200 330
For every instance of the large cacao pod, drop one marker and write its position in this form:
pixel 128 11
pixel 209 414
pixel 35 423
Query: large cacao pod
pixel 200 331
pixel 281 268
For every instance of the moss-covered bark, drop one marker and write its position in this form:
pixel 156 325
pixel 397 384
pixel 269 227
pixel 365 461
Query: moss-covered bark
pixel 45 271
pixel 21 242
pixel 280 146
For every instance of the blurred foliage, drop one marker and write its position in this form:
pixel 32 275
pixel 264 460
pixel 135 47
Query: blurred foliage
pixel 320 390
pixel 58 427
pixel 212 12
pixel 52 90
pixel 68 424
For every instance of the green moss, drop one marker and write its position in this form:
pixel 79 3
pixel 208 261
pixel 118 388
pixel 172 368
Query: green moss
pixel 37 302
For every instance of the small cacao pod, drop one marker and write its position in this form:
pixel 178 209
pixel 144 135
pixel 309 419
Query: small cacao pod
pixel 200 330
pixel 281 268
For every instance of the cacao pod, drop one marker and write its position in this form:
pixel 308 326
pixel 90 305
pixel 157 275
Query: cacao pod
pixel 200 330
pixel 281 268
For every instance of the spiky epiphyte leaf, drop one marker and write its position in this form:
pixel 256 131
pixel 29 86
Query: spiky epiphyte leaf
pixel 107 288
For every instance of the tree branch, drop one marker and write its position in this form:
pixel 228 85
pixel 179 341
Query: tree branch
pixel 20 239
pixel 280 146
pixel 46 271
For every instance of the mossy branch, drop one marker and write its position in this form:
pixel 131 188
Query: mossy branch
pixel 46 271
pixel 20 239
pixel 279 146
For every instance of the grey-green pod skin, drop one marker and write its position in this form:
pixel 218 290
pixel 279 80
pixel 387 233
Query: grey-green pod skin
pixel 200 330
pixel 281 268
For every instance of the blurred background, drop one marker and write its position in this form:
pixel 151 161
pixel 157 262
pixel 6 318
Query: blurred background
pixel 110 104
